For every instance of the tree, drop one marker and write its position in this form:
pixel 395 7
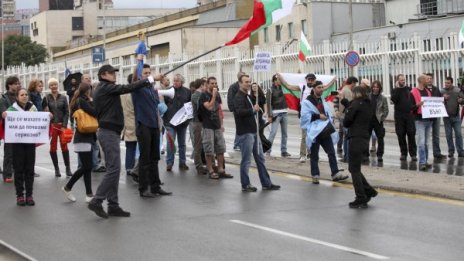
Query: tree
pixel 20 49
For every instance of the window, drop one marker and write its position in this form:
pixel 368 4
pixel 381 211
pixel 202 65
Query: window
pixel 278 29
pixel 77 23
pixel 304 27
pixel 290 30
pixel 266 35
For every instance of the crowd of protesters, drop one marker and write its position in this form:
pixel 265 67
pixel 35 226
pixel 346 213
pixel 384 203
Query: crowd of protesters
pixel 141 113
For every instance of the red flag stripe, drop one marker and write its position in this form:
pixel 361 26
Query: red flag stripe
pixel 256 21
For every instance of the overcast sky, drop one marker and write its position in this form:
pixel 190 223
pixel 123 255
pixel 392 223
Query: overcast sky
pixel 26 4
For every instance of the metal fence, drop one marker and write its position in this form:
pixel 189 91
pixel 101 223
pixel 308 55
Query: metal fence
pixel 380 60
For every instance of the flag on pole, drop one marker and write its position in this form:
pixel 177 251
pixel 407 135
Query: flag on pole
pixel 265 13
pixel 305 49
pixel 461 34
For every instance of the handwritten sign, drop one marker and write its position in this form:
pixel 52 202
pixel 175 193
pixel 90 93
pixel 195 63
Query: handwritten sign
pixel 27 127
pixel 182 114
pixel 189 109
pixel 263 61
pixel 433 107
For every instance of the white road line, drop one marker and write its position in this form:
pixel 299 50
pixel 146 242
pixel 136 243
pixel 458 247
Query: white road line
pixel 311 240
pixel 17 251
pixel 121 180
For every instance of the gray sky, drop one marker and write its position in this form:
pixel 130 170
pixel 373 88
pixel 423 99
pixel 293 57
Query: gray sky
pixel 26 4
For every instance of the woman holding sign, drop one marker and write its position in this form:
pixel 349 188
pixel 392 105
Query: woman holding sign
pixel 23 154
pixel 82 143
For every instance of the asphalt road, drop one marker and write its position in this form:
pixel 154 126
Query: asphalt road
pixel 213 220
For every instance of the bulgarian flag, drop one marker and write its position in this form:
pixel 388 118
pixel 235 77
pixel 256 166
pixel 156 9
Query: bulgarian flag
pixel 305 49
pixel 298 79
pixel 461 34
pixel 265 13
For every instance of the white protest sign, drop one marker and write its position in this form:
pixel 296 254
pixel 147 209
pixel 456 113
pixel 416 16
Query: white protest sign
pixel 27 127
pixel 263 61
pixel 189 109
pixel 433 107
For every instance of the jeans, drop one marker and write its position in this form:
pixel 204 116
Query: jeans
pixel 249 144
pixel 282 120
pixel 423 128
pixel 131 147
pixel 436 137
pixel 172 133
pixel 236 142
pixel 453 124
pixel 108 188
pixel 327 145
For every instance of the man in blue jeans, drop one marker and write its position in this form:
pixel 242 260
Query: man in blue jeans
pixel 246 114
pixel 317 122
pixel 453 98
pixel 435 121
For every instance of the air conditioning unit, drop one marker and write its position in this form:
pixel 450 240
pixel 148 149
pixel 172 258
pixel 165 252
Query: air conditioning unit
pixel 391 35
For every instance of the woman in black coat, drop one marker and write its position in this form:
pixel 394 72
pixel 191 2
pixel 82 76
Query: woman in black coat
pixel 82 143
pixel 357 119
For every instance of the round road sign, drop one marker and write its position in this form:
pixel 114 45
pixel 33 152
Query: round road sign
pixel 352 58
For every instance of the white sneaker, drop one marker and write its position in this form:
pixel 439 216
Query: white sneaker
pixel 302 159
pixel 88 199
pixel 69 195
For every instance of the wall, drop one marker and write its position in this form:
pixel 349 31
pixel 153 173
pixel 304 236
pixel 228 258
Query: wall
pixel 400 11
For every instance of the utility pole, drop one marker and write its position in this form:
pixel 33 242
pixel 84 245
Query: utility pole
pixel 3 48
pixel 351 47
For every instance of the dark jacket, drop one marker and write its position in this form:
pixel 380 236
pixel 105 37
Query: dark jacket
pixel 108 103
pixel 58 107
pixel 233 89
pixel 403 101
pixel 315 101
pixel 36 99
pixel 358 117
pixel 87 106
pixel 6 101
pixel 244 114
pixel 275 99
pixel 146 102
pixel 182 95
pixel 381 107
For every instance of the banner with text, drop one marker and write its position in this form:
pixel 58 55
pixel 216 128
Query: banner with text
pixel 27 127
pixel 263 61
pixel 433 107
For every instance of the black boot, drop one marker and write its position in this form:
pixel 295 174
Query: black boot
pixel 54 157
pixel 66 163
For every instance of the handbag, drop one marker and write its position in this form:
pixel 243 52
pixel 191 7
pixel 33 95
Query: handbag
pixel 66 135
pixel 327 131
pixel 85 122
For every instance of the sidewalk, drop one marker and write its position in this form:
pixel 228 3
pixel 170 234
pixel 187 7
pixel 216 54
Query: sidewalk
pixel 389 178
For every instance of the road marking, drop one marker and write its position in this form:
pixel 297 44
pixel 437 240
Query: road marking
pixel 121 180
pixel 312 240
pixel 17 251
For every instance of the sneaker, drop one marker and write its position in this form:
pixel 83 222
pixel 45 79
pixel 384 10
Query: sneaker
pixel 98 209
pixel 440 157
pixel 285 154
pixel 118 212
pixel 358 204
pixel 427 165
pixel 69 194
pixel 302 159
pixel 162 152
pixel 373 149
pixel 30 201
pixel 168 167
pixel 99 169
pixel 315 180
pixel 8 180
pixel 414 158
pixel 339 176
pixel 403 157
pixel 183 167
pixel 237 148
pixel 422 167
pixel 88 198
pixel 271 187
pixel 20 201
pixel 379 159
pixel 249 188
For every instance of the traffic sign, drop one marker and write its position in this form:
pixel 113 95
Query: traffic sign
pixel 98 55
pixel 352 58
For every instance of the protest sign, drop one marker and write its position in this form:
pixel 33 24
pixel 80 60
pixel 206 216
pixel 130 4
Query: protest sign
pixel 189 109
pixel 183 114
pixel 27 127
pixel 433 107
pixel 263 61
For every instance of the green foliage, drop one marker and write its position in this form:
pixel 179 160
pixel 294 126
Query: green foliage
pixel 20 49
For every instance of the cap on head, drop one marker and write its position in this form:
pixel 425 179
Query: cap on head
pixel 107 68
pixel 310 76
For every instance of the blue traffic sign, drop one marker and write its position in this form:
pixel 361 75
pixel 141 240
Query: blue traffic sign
pixel 352 58
pixel 98 55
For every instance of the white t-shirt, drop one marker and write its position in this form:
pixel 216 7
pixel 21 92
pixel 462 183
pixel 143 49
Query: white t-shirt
pixel 306 92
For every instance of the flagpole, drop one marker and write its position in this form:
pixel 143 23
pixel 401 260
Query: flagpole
pixel 193 59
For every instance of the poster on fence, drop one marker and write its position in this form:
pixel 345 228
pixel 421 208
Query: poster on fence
pixel 433 107
pixel 27 127
pixel 263 61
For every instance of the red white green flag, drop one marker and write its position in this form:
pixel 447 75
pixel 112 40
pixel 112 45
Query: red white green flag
pixel 305 48
pixel 265 13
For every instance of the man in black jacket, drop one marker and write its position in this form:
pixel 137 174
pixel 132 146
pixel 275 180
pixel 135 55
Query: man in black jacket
pixel 404 118
pixel 245 114
pixel 111 122
pixel 233 89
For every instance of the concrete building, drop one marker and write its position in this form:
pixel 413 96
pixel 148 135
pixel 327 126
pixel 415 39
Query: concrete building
pixel 87 21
